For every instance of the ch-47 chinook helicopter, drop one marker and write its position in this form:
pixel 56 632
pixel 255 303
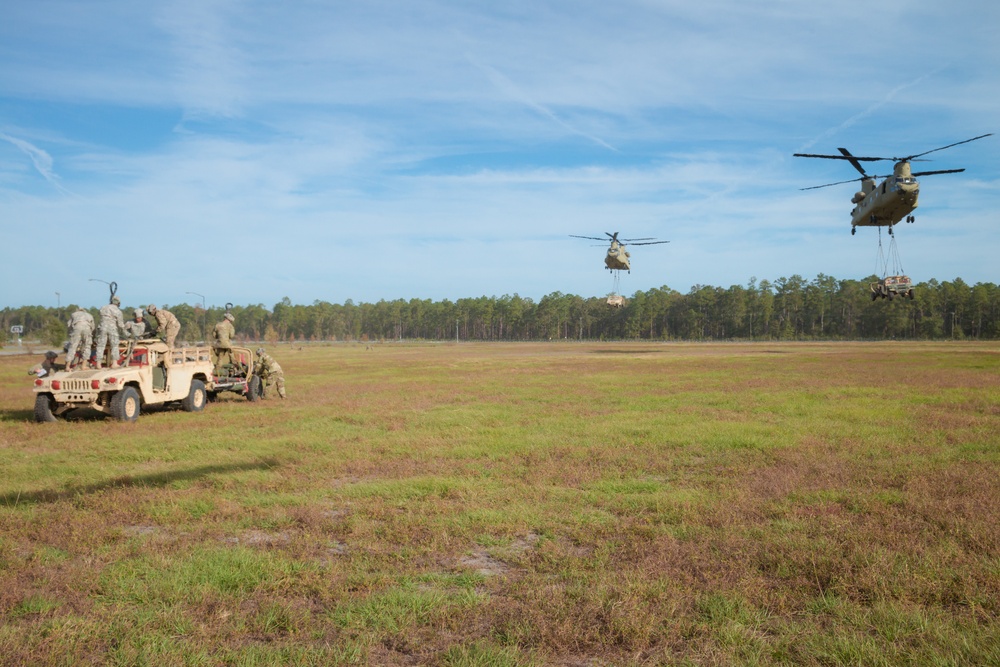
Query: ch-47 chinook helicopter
pixel 892 200
pixel 618 257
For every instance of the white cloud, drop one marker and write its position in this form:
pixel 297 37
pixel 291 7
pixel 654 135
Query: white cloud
pixel 441 149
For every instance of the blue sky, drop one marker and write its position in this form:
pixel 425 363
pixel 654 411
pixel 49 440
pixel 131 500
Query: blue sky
pixel 322 150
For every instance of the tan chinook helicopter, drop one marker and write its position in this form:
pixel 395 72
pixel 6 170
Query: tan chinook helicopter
pixel 892 200
pixel 618 257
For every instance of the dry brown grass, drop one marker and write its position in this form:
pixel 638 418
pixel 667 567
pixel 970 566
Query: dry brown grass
pixel 572 504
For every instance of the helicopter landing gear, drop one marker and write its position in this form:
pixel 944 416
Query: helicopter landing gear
pixel 854 230
pixel 911 218
pixel 890 230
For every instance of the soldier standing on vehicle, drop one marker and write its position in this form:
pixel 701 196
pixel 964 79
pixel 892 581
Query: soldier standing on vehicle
pixel 108 331
pixel 270 372
pixel 81 335
pixel 47 367
pixel 223 335
pixel 136 327
pixel 167 326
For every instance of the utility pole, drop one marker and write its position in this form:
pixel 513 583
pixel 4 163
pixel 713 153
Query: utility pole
pixel 204 314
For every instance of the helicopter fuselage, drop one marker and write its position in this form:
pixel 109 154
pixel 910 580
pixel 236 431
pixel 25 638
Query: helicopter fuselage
pixel 617 258
pixel 888 202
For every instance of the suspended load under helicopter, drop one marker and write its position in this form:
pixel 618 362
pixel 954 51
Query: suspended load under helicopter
pixel 618 259
pixel 894 199
pixel 890 286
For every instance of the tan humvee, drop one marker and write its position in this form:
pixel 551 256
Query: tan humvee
pixel 150 373
pixel 892 286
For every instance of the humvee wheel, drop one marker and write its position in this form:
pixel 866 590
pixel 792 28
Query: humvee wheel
pixel 890 296
pixel 910 294
pixel 196 398
pixel 125 406
pixel 254 389
pixel 43 409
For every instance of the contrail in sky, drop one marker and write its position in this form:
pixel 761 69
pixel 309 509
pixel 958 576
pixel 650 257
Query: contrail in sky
pixel 509 88
pixel 870 110
pixel 39 158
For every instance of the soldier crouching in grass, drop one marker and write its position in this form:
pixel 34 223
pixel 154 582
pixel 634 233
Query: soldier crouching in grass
pixel 270 372
pixel 48 366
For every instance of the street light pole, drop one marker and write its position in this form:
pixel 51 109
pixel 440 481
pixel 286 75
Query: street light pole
pixel 204 313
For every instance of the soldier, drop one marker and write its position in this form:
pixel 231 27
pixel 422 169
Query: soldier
pixel 136 327
pixel 270 372
pixel 223 334
pixel 167 325
pixel 111 323
pixel 47 367
pixel 81 335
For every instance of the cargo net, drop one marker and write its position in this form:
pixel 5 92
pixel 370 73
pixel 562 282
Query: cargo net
pixel 884 259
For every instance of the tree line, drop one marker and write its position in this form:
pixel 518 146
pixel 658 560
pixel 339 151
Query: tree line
pixel 786 309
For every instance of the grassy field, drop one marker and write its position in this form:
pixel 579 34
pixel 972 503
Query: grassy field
pixel 521 504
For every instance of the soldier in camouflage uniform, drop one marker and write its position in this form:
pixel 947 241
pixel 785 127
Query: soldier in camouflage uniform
pixel 81 335
pixel 108 330
pixel 136 327
pixel 167 326
pixel 223 335
pixel 270 372
pixel 47 367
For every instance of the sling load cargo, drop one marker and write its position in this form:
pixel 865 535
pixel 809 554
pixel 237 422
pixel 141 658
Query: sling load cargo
pixel 618 259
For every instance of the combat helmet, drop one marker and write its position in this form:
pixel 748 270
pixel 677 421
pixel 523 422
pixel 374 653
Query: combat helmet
pixel 260 351
pixel 229 316
pixel 151 309
pixel 51 355
pixel 115 300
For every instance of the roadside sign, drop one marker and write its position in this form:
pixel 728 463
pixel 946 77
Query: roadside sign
pixel 16 329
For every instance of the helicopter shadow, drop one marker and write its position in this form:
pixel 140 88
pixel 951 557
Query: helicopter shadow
pixel 152 480
pixel 16 416
pixel 80 414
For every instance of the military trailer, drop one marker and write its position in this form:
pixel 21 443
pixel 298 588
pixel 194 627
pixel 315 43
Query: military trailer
pixel 892 286
pixel 149 373
pixel 236 376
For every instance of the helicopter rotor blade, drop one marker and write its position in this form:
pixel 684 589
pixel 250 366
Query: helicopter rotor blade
pixel 650 243
pixel 939 171
pixel 850 158
pixel 613 237
pixel 845 155
pixel 853 180
pixel 934 150
pixel 589 238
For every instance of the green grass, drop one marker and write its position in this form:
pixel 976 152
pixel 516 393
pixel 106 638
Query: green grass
pixel 767 504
